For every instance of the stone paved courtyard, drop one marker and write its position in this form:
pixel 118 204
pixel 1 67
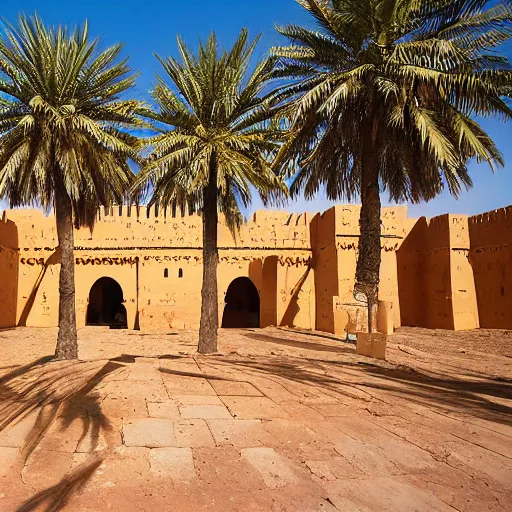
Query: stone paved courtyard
pixel 277 421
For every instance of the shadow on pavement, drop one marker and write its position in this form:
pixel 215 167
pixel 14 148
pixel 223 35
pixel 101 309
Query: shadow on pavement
pixel 56 497
pixel 471 398
pixel 56 389
pixel 306 345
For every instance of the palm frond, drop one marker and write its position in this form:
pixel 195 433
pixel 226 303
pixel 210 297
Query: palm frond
pixel 210 108
pixel 61 119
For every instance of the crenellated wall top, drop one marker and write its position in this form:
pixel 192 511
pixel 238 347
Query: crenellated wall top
pixel 491 228
pixel 134 227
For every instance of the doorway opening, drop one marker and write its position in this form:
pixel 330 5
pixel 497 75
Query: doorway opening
pixel 242 307
pixel 106 304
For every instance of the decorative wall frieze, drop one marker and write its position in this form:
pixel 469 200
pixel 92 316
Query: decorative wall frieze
pixel 127 260
pixel 32 261
pixel 172 258
pixel 297 261
pixel 354 246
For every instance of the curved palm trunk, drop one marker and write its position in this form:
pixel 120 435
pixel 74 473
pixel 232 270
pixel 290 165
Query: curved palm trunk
pixel 369 257
pixel 67 345
pixel 209 299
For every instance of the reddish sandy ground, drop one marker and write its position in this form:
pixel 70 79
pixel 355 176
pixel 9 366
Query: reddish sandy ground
pixel 278 421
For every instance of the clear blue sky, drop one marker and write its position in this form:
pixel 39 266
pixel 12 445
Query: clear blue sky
pixel 148 27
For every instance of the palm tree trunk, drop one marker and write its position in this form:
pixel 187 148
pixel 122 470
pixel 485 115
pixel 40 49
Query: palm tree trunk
pixel 67 345
pixel 368 261
pixel 209 299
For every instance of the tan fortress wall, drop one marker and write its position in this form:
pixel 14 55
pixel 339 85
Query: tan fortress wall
pixel 435 278
pixel 350 315
pixel 269 291
pixel 9 261
pixel 325 262
pixel 436 275
pixel 491 260
pixel 463 290
pixel 296 270
pixel 410 275
pixel 157 261
pixel 424 282
pixel 424 277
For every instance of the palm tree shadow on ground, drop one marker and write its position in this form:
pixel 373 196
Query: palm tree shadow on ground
pixel 57 496
pixel 480 398
pixel 52 390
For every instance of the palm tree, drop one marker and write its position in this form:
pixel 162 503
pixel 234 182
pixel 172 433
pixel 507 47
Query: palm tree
pixel 383 98
pixel 214 143
pixel 62 138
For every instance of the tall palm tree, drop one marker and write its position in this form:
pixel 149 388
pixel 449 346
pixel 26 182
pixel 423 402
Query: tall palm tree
pixel 214 143
pixel 62 138
pixel 384 97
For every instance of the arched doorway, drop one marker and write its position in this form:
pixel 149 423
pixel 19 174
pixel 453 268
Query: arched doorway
pixel 106 304
pixel 242 307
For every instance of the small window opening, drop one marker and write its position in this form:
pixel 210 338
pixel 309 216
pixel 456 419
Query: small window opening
pixel 166 272
pixel 180 273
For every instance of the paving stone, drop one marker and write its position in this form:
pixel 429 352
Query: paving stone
pixel 14 436
pixel 382 494
pixel 153 391
pixel 101 475
pixel 193 434
pixel 368 458
pixel 7 459
pixel 222 469
pixel 124 407
pixel 296 439
pixel 247 408
pixel 93 442
pixel 298 410
pixel 327 430
pixel 234 388
pixel 198 400
pixel 179 385
pixel 147 361
pixel 461 490
pixel 64 435
pixel 358 427
pixel 149 432
pixel 292 430
pixel 483 464
pixel 333 469
pixel 144 373
pixel 406 456
pixel 274 390
pixel 206 412
pixel 274 468
pixel 168 410
pixel 239 433
pixel 125 465
pixel 331 409
pixel 181 365
pixel 45 468
pixel 318 398
pixel 176 463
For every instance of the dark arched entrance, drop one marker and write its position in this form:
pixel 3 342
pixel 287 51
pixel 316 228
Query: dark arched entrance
pixel 242 307
pixel 106 304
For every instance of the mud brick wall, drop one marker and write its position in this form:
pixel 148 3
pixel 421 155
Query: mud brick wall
pixel 155 255
pixel 450 272
pixel 9 259
pixel 491 259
